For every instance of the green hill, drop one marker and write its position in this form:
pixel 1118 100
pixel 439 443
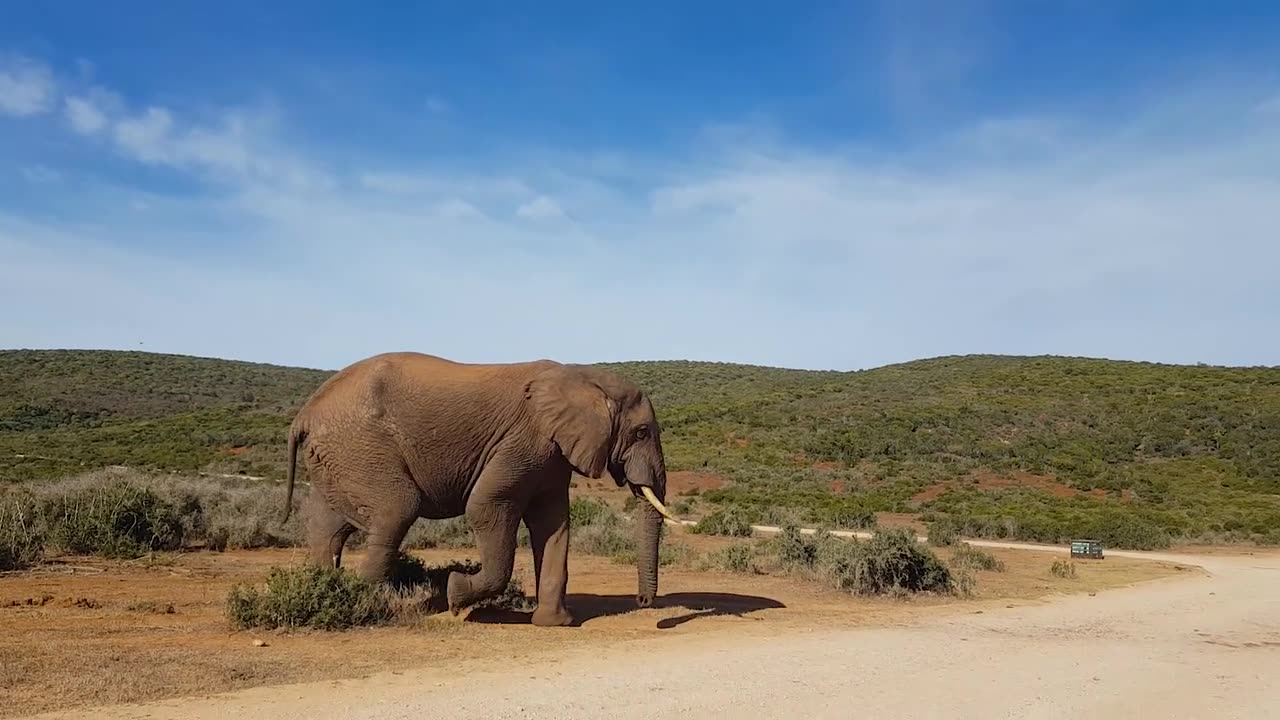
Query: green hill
pixel 1035 448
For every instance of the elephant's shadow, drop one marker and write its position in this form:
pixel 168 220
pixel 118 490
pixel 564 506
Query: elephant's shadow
pixel 587 607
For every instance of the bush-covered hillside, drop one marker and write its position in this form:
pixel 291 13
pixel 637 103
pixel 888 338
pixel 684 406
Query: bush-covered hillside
pixel 1036 448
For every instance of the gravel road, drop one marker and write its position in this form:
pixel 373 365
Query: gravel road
pixel 1193 647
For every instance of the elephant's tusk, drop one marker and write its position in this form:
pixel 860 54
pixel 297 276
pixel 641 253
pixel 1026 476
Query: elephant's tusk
pixel 657 505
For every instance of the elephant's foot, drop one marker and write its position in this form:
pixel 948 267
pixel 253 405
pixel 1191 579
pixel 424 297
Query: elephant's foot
pixel 552 617
pixel 458 588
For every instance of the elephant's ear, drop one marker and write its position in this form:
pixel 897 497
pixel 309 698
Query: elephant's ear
pixel 577 414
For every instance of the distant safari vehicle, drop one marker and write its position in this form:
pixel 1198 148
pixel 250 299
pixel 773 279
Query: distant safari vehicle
pixel 1086 549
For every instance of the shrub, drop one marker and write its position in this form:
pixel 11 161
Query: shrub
pixel 117 513
pixel 739 558
pixel 971 558
pixel 447 533
pixel 21 534
pixel 118 519
pixel 853 518
pixel 308 596
pixel 892 561
pixel 603 538
pixel 229 515
pixel 1063 569
pixel 963 582
pixel 943 533
pixel 589 511
pixel 793 549
pixel 731 521
pixel 797 551
pixel 337 599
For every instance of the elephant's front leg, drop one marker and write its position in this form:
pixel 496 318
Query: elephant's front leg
pixel 548 522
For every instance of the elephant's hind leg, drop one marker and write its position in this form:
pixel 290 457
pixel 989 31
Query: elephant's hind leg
pixel 389 522
pixel 327 531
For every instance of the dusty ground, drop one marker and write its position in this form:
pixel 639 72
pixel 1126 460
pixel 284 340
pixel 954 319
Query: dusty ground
pixel 91 632
pixel 1205 646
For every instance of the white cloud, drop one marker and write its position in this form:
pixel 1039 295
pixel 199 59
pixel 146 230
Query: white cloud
pixel 147 137
pixel 1038 234
pixel 27 87
pixel 84 115
pixel 540 208
pixel 236 147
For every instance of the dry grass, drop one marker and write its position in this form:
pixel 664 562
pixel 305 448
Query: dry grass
pixel 104 634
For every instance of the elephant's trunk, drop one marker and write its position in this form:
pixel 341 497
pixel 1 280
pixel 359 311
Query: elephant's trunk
pixel 653 487
pixel 649 533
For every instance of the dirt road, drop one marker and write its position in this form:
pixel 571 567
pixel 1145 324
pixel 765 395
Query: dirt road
pixel 1203 646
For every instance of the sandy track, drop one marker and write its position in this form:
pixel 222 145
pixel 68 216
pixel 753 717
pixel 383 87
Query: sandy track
pixel 1205 646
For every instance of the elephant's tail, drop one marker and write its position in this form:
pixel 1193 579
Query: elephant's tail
pixel 296 435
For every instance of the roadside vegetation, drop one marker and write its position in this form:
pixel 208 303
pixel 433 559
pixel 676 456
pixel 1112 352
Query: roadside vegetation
pixel 123 514
pixel 1136 455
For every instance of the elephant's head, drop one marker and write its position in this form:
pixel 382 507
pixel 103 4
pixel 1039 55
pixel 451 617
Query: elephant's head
pixel 600 421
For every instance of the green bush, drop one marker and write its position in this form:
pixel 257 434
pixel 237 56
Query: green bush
pixel 850 518
pixel 118 519
pixel 1063 569
pixel 114 513
pixel 942 533
pixel 603 537
pixel 589 511
pixel 891 562
pixel 972 558
pixel 731 522
pixel 963 583
pixel 738 558
pixel 308 596
pixel 21 532
pixel 793 549
pixel 449 533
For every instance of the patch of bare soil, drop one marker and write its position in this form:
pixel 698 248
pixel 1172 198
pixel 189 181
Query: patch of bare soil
pixel 92 632
pixel 685 482
pixel 911 521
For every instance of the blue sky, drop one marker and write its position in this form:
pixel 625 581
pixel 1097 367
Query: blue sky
pixel 807 185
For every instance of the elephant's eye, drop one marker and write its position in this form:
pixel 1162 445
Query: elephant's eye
pixel 642 432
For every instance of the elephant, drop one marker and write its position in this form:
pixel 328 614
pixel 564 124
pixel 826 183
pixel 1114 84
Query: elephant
pixel 403 435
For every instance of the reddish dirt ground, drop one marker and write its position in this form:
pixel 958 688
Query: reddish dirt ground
pixel 681 483
pixel 910 521
pixel 88 632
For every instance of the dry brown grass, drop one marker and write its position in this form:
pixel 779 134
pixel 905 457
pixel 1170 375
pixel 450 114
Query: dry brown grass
pixel 103 633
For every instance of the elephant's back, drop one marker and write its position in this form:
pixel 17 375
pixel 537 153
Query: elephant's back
pixel 418 390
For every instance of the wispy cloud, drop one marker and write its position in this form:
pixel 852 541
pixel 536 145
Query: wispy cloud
pixel 26 86
pixel 84 116
pixel 1148 236
pixel 540 208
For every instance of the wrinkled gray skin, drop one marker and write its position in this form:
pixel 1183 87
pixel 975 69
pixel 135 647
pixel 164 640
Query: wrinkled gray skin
pixel 400 436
